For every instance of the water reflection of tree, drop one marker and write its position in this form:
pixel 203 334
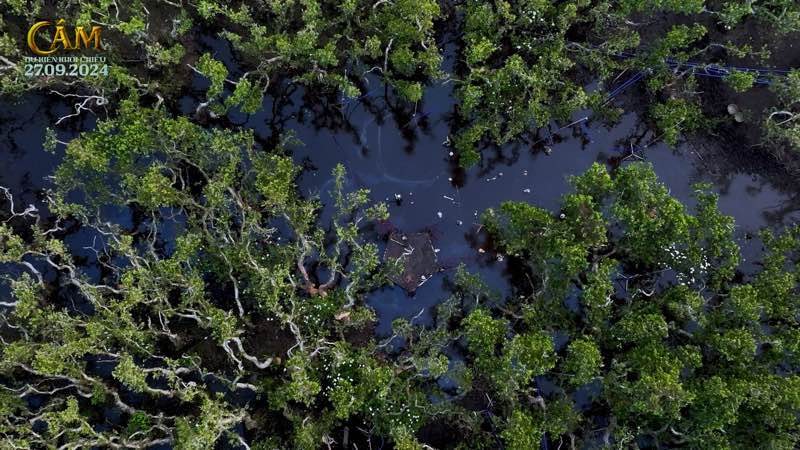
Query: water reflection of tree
pixel 717 157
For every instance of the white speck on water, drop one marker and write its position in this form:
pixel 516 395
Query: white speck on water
pixel 527 190
pixel 439 213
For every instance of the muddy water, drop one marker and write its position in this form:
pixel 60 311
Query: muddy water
pixel 403 157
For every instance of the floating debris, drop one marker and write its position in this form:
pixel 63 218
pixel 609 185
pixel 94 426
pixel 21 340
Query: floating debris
pixel 439 214
pixel 527 190
pixel 733 110
pixel 416 257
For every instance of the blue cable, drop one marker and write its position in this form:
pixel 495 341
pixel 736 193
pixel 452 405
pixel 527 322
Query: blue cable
pixel 759 70
pixel 715 71
pixel 699 69
pixel 629 82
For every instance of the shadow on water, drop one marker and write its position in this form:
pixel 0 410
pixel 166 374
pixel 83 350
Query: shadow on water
pixel 400 152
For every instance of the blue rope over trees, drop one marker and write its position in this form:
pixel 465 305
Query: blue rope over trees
pixel 763 76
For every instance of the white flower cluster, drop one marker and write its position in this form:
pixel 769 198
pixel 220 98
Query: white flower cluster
pixel 681 259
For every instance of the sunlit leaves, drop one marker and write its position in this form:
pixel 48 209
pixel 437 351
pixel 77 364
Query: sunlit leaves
pixel 154 189
pixel 131 375
pixel 484 334
pixel 275 180
pixel 502 99
pixel 640 328
pixel 248 96
pixel 215 71
pixel 735 346
pixel 740 81
pixel 676 116
pixel 583 361
pixel 530 354
pixel 521 432
pixel 12 247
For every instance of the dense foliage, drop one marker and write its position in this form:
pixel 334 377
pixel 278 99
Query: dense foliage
pixel 173 320
pixel 217 307
pixel 654 335
pixel 519 65
pixel 224 307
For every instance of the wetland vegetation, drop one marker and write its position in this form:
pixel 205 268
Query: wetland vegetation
pixel 179 278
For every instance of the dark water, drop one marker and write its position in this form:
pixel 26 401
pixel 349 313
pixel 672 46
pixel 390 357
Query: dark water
pixel 398 151
pixel 24 164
